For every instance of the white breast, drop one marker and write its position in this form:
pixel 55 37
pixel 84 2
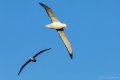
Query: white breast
pixel 56 25
pixel 32 59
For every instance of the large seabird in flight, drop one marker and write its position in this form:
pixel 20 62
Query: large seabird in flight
pixel 32 59
pixel 57 25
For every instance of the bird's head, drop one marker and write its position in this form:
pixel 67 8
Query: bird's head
pixel 65 25
pixel 31 57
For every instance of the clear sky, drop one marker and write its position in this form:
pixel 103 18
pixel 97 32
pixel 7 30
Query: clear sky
pixel 93 31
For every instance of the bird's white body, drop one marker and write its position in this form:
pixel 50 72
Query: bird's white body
pixel 56 25
pixel 32 59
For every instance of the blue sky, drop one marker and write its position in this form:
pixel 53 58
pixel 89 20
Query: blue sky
pixel 93 30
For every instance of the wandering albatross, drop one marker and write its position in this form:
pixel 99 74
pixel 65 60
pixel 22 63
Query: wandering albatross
pixel 32 59
pixel 57 25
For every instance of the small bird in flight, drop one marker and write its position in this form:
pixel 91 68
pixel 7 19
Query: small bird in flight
pixel 32 59
pixel 57 25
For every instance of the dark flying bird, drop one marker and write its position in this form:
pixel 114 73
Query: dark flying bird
pixel 32 59
pixel 57 25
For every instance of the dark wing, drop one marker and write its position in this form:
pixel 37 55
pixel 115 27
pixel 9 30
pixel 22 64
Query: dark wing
pixel 24 66
pixel 50 13
pixel 65 41
pixel 41 52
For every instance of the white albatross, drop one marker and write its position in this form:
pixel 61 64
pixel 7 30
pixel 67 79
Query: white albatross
pixel 57 25
pixel 32 59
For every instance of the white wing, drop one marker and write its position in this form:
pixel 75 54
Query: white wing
pixel 50 13
pixel 65 41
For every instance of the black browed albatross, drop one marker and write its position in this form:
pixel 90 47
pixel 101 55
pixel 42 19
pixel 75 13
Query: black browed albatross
pixel 57 25
pixel 32 59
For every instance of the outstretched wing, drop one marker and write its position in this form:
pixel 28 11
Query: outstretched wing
pixel 41 52
pixel 50 13
pixel 65 41
pixel 24 66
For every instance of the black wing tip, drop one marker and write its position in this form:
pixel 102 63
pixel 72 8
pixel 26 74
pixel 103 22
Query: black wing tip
pixel 19 73
pixel 71 56
pixel 41 4
pixel 49 48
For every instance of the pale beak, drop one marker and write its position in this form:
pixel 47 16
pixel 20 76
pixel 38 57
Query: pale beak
pixel 66 27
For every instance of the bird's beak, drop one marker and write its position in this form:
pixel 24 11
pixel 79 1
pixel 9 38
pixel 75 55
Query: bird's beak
pixel 66 27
